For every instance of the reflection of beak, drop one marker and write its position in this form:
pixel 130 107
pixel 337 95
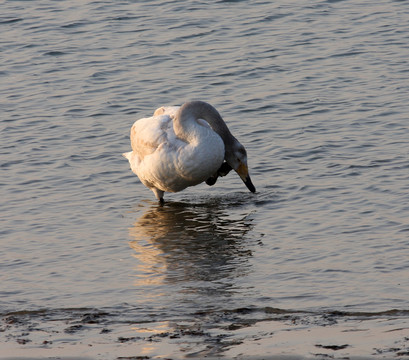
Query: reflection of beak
pixel 243 172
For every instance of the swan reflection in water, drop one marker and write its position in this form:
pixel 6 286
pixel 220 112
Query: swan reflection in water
pixel 198 248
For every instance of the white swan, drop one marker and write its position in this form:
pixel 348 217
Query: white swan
pixel 184 146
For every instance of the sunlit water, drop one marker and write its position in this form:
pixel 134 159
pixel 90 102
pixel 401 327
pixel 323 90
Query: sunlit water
pixel 316 91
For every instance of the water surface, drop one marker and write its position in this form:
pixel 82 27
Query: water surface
pixel 317 93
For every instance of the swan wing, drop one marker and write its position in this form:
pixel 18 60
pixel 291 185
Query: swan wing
pixel 148 134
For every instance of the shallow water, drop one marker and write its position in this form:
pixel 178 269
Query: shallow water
pixel 317 93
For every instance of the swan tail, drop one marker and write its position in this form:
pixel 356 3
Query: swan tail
pixel 127 155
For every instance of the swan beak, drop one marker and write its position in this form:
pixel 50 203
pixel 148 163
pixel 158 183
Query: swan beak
pixel 243 172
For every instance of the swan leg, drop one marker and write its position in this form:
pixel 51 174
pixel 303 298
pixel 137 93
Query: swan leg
pixel 212 180
pixel 158 194
pixel 224 169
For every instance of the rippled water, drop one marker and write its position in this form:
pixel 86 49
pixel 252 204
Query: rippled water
pixel 316 91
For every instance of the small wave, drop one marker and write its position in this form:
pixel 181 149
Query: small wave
pixel 10 21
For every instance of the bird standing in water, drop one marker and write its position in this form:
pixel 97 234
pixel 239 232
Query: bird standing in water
pixel 184 146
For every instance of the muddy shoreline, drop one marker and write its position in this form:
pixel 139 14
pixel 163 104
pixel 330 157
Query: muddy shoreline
pixel 245 333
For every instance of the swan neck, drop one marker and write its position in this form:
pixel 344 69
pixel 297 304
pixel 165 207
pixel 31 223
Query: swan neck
pixel 186 118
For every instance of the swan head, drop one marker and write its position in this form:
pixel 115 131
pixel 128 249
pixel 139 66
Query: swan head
pixel 236 157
